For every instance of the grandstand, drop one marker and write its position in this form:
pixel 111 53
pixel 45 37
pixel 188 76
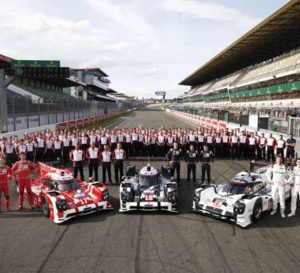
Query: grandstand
pixel 38 94
pixel 94 85
pixel 258 74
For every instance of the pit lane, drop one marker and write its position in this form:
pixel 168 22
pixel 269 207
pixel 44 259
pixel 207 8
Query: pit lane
pixel 149 241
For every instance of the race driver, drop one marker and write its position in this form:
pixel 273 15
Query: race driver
pixel 22 170
pixel 5 173
pixel 277 176
pixel 295 188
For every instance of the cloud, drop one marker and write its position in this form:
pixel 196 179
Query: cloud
pixel 51 37
pixel 211 11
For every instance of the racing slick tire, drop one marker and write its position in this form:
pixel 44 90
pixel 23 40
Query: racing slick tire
pixel 45 207
pixel 257 211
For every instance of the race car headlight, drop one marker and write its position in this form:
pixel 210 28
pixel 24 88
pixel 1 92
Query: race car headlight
pixel 172 197
pixel 239 208
pixel 125 196
pixel 105 195
pixel 61 204
pixel 197 196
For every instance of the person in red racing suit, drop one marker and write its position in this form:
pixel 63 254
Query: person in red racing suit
pixel 5 173
pixel 23 169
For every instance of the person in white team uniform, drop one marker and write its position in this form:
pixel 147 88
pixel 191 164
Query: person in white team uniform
pixel 295 189
pixel 278 177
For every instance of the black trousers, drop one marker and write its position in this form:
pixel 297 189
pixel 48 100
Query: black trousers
pixel 226 152
pixel 191 168
pixel 78 166
pixel 205 169
pixel 176 166
pixel 10 159
pixel 66 152
pixel 261 153
pixel 30 156
pixel 106 168
pixel 251 150
pixel 40 154
pixel 234 150
pixel 218 150
pixel 270 153
pixel 118 169
pixel 93 168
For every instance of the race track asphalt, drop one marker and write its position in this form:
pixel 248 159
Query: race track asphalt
pixel 149 242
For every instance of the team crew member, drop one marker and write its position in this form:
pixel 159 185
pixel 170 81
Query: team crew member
pixel 9 153
pixel 49 149
pixel 105 158
pixel 118 155
pixel 225 146
pixel 252 146
pixel 58 147
pixel 201 141
pixel 280 146
pixel 5 172
pixel 30 148
pixel 21 148
pixel 243 145
pixel 234 143
pixel 295 188
pixel 290 150
pixel 21 170
pixel 113 140
pixel 160 141
pixel 173 156
pixel 218 146
pixel 84 141
pixel 262 147
pixel 182 142
pixel 271 143
pixel 210 142
pixel 280 175
pixel 77 156
pixel 191 158
pixel 40 149
pixel 147 144
pixel 66 149
pixel 206 157
pixel 92 155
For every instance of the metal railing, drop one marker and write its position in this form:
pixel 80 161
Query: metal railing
pixel 50 111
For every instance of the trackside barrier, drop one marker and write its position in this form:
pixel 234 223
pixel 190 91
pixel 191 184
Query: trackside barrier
pixel 70 125
pixel 201 121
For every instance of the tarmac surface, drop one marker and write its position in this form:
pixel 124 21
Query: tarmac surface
pixel 149 242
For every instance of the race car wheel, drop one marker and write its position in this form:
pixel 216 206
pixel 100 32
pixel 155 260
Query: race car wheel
pixel 45 207
pixel 257 211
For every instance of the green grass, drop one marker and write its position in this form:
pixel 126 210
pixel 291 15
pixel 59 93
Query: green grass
pixel 108 122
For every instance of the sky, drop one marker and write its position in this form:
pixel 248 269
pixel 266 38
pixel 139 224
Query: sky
pixel 143 45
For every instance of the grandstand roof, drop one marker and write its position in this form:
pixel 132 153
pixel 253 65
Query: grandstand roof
pixel 5 61
pixel 91 70
pixel 276 35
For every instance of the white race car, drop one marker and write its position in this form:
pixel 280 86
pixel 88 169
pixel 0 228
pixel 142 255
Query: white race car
pixel 242 200
pixel 148 190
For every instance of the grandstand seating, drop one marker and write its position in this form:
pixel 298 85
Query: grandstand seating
pixel 37 92
pixel 12 94
pixel 281 65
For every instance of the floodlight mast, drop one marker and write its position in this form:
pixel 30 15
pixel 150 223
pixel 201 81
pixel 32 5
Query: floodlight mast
pixel 3 103
pixel 161 93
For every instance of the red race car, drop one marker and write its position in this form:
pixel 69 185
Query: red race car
pixel 62 197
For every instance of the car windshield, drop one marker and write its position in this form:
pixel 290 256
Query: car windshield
pixel 235 188
pixel 68 185
pixel 147 181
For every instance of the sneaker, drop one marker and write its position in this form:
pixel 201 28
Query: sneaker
pixel 20 208
pixel 8 209
pixel 30 207
pixel 292 214
pixel 273 212
pixel 282 213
